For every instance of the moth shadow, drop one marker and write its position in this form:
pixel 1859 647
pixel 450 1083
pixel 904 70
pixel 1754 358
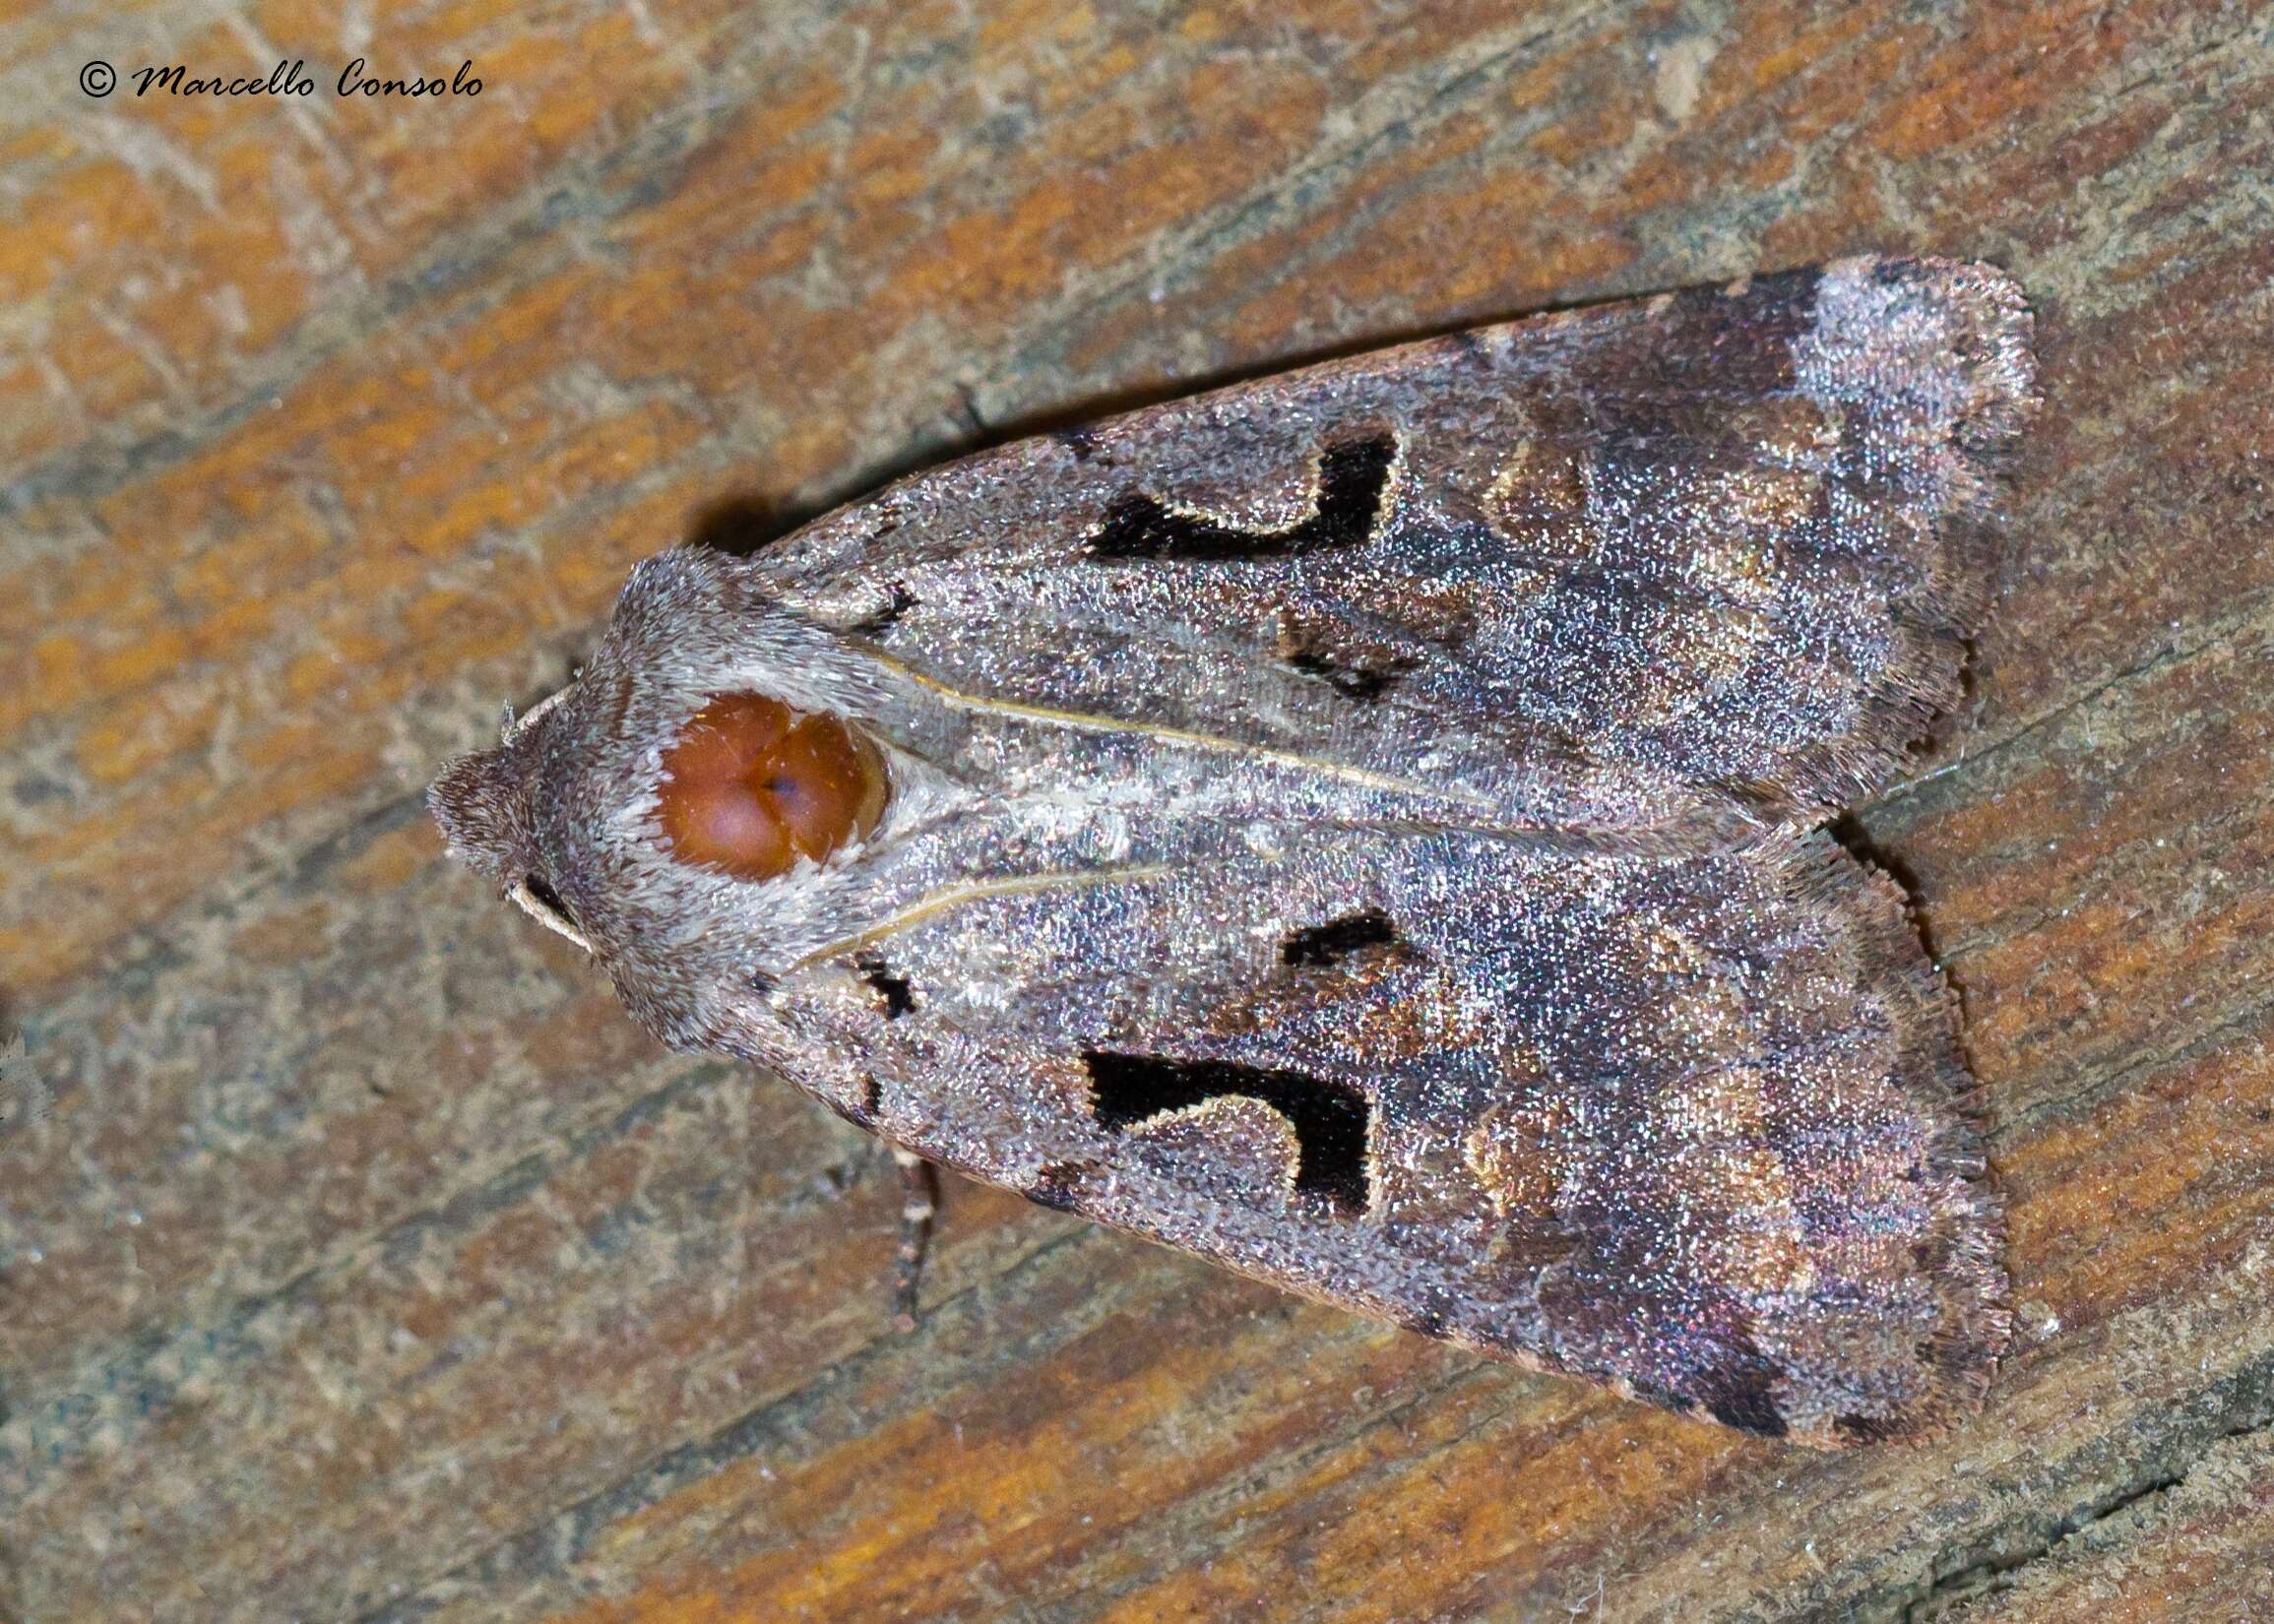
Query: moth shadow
pixel 1856 837
pixel 742 523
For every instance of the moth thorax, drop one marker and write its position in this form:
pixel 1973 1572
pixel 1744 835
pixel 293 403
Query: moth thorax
pixel 750 786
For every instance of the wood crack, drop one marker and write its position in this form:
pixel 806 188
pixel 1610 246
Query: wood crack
pixel 2258 617
pixel 2003 1562
pixel 553 1542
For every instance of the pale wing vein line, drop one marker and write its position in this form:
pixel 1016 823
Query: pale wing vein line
pixel 956 895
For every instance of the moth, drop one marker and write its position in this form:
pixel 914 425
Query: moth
pixel 1364 828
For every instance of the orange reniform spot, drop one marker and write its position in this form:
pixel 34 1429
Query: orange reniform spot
pixel 752 785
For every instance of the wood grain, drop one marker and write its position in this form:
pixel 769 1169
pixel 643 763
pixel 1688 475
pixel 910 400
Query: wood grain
pixel 359 1260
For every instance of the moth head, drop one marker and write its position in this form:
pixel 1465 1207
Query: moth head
pixel 485 805
pixel 703 804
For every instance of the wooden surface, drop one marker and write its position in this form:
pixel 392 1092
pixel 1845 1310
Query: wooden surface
pixel 360 1260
